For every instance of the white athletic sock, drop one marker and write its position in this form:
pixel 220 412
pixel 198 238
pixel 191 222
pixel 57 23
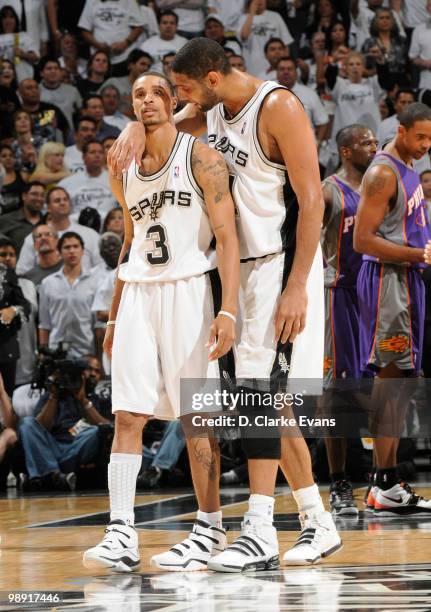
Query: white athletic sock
pixel 260 509
pixel 123 470
pixel 308 500
pixel 213 518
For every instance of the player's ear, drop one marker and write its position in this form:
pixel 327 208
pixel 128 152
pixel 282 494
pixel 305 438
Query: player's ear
pixel 174 103
pixel 213 78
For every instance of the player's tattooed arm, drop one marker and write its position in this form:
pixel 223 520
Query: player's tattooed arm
pixel 379 189
pixel 211 174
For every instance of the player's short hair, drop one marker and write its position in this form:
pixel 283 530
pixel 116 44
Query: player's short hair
pixel 346 136
pixel 270 41
pixel 161 76
pixel 414 112
pixel 200 56
pixel 68 235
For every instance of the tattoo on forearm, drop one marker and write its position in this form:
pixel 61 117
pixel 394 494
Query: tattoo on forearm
pixel 205 457
pixel 215 172
pixel 375 186
pixel 218 197
pixel 218 227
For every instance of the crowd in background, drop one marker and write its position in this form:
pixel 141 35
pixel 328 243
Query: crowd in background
pixel 66 75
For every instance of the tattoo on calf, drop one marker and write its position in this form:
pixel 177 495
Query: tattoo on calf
pixel 205 457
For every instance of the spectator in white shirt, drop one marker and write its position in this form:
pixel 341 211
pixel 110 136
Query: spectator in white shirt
pixel 138 62
pixel 190 15
pixel 168 41
pixel 85 131
pixel 287 76
pixel 229 11
pixel 90 187
pixel 414 12
pixel 420 49
pixel 52 90
pixel 66 298
pixel 32 17
pixel 111 103
pixel 389 127
pixel 274 50
pixel 214 29
pixel 112 26
pixel 17 46
pixel 255 28
pixel 150 25
pixel 59 207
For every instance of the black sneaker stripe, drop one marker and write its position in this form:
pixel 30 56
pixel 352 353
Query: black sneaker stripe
pixel 120 532
pixel 256 544
pixel 240 550
pixel 126 560
pixel 239 543
pixel 199 544
pixel 204 535
pixel 177 551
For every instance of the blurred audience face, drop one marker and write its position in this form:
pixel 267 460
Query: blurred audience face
pixel 110 247
pixel 238 62
pixel 318 42
pixel 45 239
pixel 28 154
pixel 383 108
pixel 325 8
pixel 94 369
pixel 286 73
pixel 86 131
pixel 137 68
pixel 29 91
pixel 168 60
pixel 94 158
pixel 214 30
pixel 55 161
pixel 107 144
pixel 68 46
pixel 373 4
pixel 274 51
pixel 22 123
pixel 260 6
pixel 384 20
pixel 338 34
pixel 8 256
pixel 51 74
pixel 403 101
pixel 354 67
pixel 71 252
pixel 94 109
pixel 9 21
pixel 426 184
pixel 99 64
pixel 7 73
pixel 7 159
pixel 115 222
pixel 168 27
pixel 58 203
pixel 34 198
pixel 111 100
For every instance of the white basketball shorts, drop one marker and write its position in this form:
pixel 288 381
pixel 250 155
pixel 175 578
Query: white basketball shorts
pixel 258 355
pixel 160 337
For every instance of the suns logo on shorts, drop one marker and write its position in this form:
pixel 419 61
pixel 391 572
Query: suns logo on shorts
pixel 327 364
pixel 395 344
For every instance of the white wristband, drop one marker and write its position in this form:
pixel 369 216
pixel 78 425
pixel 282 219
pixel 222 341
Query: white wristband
pixel 227 314
pixel 110 323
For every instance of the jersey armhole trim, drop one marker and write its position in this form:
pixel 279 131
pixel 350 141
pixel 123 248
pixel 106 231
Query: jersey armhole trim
pixel 189 168
pixel 256 141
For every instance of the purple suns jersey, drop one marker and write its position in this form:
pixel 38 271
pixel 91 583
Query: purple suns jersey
pixel 342 262
pixel 406 224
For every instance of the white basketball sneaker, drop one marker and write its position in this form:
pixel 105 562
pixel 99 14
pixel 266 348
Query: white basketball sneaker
pixel 193 553
pixel 256 549
pixel 119 549
pixel 401 500
pixel 318 539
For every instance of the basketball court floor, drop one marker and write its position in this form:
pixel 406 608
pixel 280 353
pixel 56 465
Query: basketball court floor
pixel 385 564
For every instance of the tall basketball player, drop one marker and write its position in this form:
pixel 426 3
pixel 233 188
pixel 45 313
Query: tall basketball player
pixel 392 230
pixel 174 201
pixel 267 142
pixel 357 146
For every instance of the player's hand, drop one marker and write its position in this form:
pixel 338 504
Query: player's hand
pixel 109 340
pixel 291 313
pixel 129 145
pixel 427 253
pixel 222 331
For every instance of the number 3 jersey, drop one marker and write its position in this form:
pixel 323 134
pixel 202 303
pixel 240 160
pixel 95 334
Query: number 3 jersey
pixel 172 231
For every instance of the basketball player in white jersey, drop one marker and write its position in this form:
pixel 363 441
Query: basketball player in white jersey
pixel 267 142
pixel 162 313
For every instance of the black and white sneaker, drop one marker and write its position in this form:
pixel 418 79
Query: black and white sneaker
pixel 401 500
pixel 341 499
pixel 119 549
pixel 256 549
pixel 319 538
pixel 193 553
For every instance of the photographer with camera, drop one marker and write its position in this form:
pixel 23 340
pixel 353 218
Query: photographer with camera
pixel 63 433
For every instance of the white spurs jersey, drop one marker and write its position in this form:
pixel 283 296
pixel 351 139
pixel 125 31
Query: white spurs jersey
pixel 172 231
pixel 265 202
